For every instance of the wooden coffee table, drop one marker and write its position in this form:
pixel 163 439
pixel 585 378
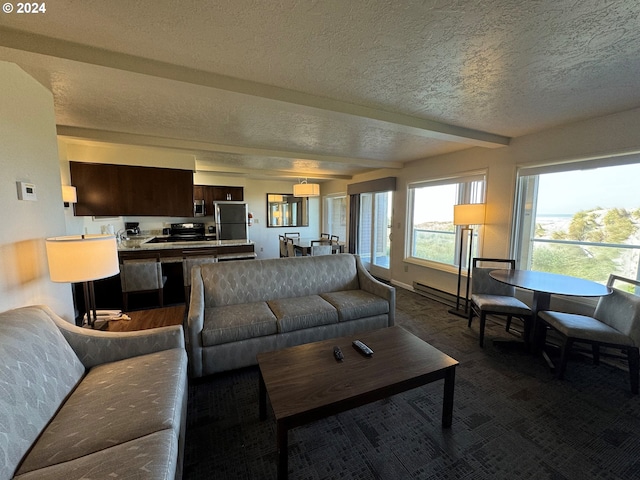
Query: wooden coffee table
pixel 305 383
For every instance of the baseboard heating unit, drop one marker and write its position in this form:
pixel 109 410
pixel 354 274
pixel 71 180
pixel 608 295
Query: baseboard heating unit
pixel 435 294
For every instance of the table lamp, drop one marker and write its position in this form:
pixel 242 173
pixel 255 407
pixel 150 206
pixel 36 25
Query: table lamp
pixel 465 215
pixel 83 258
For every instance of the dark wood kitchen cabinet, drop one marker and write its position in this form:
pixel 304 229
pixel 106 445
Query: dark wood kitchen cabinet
pixel 228 194
pixel 118 190
pixel 216 193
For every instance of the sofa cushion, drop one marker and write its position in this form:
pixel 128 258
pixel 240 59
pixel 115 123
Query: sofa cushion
pixel 238 282
pixel 302 312
pixel 115 403
pixel 231 323
pixel 150 457
pixel 354 304
pixel 39 369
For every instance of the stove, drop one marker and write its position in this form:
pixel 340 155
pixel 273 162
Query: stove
pixel 185 232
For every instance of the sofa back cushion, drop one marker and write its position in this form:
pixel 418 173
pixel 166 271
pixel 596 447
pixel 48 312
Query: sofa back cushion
pixel 39 369
pixel 233 283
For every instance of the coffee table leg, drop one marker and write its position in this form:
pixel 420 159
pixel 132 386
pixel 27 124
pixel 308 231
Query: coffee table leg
pixel 262 398
pixel 447 404
pixel 283 451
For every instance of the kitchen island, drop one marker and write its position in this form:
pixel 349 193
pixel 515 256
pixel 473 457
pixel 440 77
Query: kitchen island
pixel 173 251
pixel 170 254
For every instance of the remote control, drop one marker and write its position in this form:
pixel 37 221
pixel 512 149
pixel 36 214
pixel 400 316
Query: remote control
pixel 363 348
pixel 338 354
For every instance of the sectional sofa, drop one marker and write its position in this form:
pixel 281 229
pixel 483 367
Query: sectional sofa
pixel 241 308
pixel 82 404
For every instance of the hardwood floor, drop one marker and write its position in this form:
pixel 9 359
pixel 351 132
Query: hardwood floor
pixel 151 318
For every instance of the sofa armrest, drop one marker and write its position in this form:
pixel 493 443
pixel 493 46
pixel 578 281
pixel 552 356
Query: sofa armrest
pixel 371 285
pixel 94 347
pixel 195 322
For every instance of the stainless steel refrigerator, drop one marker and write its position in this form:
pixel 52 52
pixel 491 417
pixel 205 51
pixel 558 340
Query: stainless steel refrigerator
pixel 231 220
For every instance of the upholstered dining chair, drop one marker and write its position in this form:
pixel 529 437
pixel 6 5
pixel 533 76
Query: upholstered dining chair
pixel 319 247
pixel 615 323
pixel 335 239
pixel 290 247
pixel 141 276
pixel 491 297
pixel 187 264
pixel 324 236
pixel 282 240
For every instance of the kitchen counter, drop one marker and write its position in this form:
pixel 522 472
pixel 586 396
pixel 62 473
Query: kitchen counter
pixel 135 244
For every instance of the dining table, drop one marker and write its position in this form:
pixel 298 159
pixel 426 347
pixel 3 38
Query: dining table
pixel 544 285
pixel 303 245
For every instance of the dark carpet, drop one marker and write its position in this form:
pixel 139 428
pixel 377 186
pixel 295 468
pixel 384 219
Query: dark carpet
pixel 511 420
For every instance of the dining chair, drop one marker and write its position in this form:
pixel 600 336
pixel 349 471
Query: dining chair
pixel 187 264
pixel 490 297
pixel 141 276
pixel 319 247
pixel 290 247
pixel 282 240
pixel 615 323
pixel 324 236
pixel 335 239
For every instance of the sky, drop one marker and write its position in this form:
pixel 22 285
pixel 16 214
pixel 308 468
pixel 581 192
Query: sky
pixel 570 192
pixel 562 193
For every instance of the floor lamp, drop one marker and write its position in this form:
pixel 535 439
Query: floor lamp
pixel 83 258
pixel 465 215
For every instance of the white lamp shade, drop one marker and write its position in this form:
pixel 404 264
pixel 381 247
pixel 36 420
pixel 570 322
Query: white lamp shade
pixel 82 258
pixel 69 194
pixel 468 214
pixel 306 190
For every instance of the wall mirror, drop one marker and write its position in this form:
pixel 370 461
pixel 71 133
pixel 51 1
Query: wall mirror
pixel 285 210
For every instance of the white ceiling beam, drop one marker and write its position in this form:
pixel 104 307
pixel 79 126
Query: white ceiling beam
pixel 194 147
pixel 205 166
pixel 43 45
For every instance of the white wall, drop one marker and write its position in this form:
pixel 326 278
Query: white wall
pixel 255 194
pixel 598 137
pixel 29 152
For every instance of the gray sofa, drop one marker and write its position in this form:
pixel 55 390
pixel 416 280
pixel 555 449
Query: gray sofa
pixel 239 309
pixel 79 404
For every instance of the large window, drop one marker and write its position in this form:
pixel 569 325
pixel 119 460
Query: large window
pixel 432 235
pixel 335 216
pixel 580 219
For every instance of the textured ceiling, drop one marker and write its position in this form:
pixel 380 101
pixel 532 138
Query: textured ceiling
pixel 327 88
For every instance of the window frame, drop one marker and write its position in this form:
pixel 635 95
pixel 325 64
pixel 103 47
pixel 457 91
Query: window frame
pixel 464 195
pixel 529 193
pixel 325 214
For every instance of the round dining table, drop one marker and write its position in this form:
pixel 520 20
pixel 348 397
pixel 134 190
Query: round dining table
pixel 545 284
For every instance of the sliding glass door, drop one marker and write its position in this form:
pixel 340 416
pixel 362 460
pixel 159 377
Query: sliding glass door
pixel 374 239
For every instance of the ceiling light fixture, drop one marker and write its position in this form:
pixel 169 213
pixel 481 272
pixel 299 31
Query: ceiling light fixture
pixel 304 189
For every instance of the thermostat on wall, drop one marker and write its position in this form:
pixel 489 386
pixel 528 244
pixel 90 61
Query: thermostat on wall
pixel 27 191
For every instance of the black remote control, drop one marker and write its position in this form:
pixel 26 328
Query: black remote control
pixel 358 345
pixel 338 354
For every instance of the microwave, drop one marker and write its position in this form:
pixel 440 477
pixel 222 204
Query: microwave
pixel 198 208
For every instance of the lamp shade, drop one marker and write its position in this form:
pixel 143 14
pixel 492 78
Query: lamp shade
pixel 306 190
pixel 468 214
pixel 69 194
pixel 82 258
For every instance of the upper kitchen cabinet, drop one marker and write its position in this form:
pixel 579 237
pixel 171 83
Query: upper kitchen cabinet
pixel 119 190
pixel 228 193
pixel 216 193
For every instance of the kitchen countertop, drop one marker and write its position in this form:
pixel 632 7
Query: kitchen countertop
pixel 142 243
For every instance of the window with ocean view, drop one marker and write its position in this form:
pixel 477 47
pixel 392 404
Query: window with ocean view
pixel 432 235
pixel 580 219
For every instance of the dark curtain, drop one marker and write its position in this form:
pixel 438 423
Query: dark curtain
pixel 354 214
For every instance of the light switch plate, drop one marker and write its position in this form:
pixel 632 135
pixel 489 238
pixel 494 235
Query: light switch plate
pixel 27 191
